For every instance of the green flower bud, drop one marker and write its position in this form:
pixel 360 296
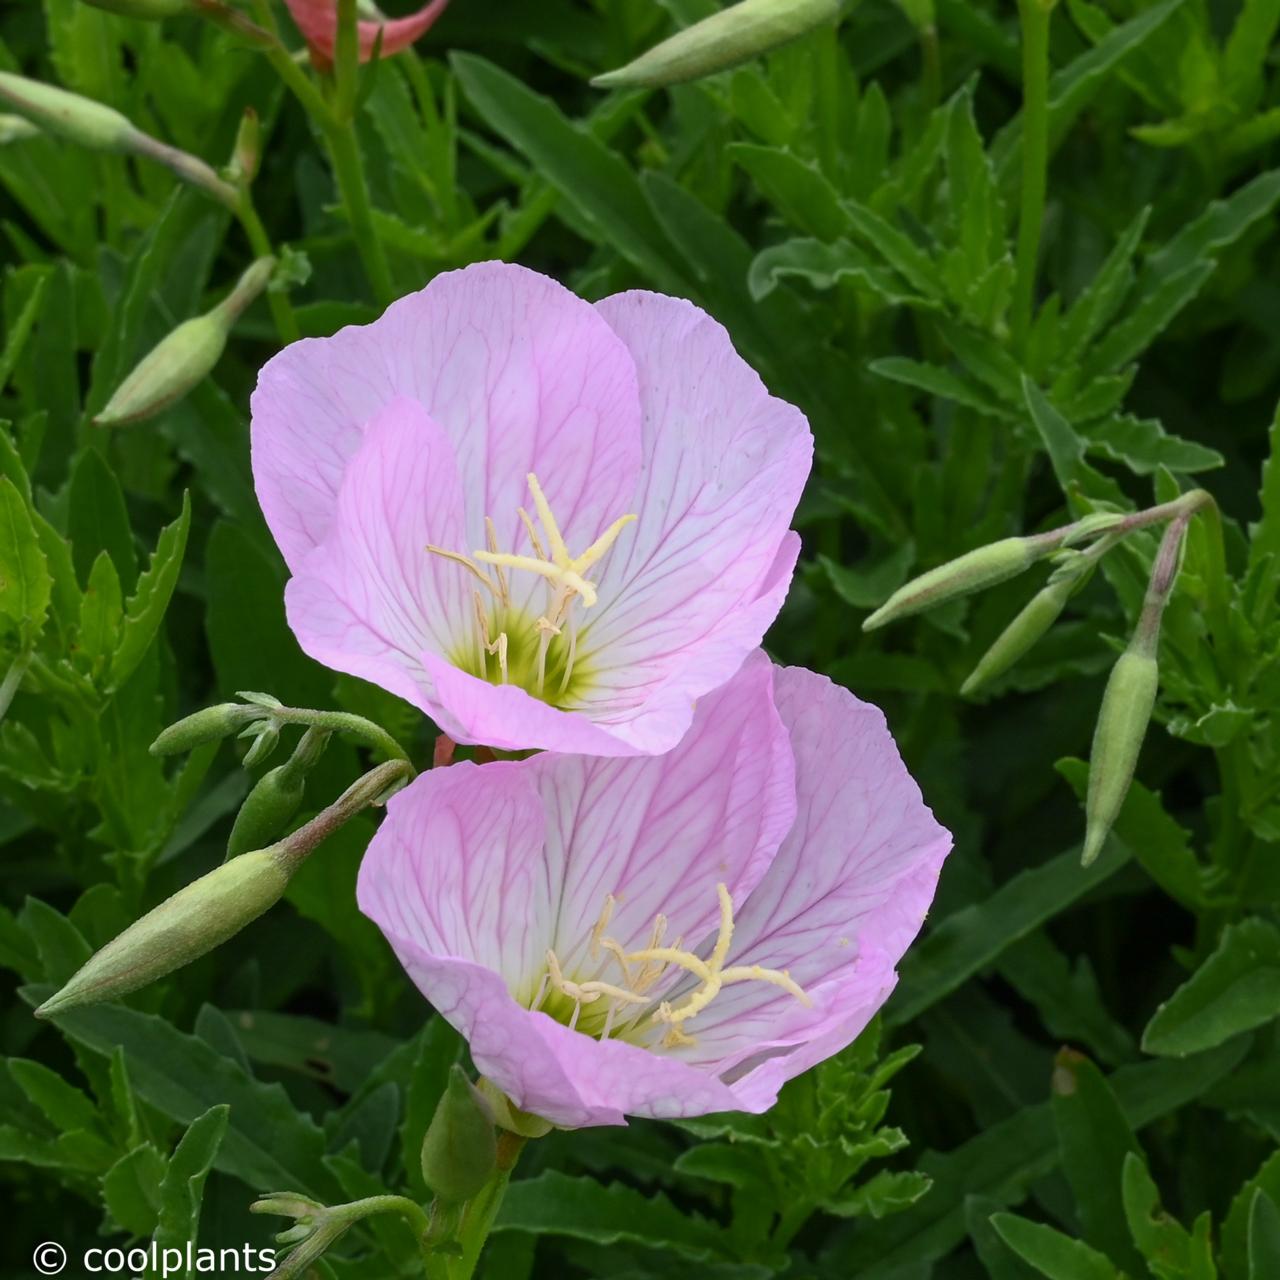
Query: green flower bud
pixel 210 725
pixel 265 735
pixel 247 153
pixel 275 797
pixel 181 929
pixel 1117 739
pixel 143 8
pixel 1128 699
pixel 180 361
pixel 736 34
pixel 16 129
pixel 973 571
pixel 68 115
pixel 1022 634
pixel 460 1151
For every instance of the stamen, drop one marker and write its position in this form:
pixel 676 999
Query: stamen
pixel 492 535
pixel 533 533
pixel 536 1002
pixel 570 656
pixel 606 914
pixel 466 562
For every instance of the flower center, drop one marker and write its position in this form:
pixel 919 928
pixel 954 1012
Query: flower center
pixel 524 649
pixel 625 1009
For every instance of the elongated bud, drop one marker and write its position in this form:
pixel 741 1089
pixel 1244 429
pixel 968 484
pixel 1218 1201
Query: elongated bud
pixel 973 571
pixel 209 725
pixel 16 129
pixel 143 8
pixel 276 796
pixel 181 929
pixel 212 909
pixel 736 34
pixel 1022 634
pixel 101 128
pixel 180 361
pixel 1127 702
pixel 247 153
pixel 460 1150
pixel 68 115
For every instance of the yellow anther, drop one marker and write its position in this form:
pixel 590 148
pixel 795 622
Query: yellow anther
pixel 559 552
pixel 606 914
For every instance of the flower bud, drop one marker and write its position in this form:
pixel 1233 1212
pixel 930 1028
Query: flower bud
pixel 460 1150
pixel 68 115
pixel 275 797
pixel 1128 699
pixel 736 34
pixel 181 929
pixel 265 735
pixel 247 153
pixel 982 567
pixel 143 8
pixel 210 725
pixel 1022 634
pixel 1117 739
pixel 180 361
pixel 16 129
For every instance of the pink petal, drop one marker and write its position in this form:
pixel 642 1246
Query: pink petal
pixel 519 373
pixel 724 465
pixel 318 22
pixel 456 869
pixel 660 832
pixel 840 904
pixel 543 1067
pixel 370 598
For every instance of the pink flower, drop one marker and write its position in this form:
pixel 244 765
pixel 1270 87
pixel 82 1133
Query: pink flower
pixel 671 935
pixel 318 22
pixel 545 523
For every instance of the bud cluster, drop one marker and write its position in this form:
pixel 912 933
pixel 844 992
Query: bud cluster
pixel 1131 689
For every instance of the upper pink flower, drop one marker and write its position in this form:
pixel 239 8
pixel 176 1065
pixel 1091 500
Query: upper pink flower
pixel 546 523
pixel 318 22
pixel 666 936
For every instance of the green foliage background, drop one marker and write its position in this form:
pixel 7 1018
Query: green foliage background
pixel 849 208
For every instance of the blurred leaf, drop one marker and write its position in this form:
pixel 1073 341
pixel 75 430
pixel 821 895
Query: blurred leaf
pixel 1050 1252
pixel 1236 989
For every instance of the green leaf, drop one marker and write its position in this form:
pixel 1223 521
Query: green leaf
pixel 25 582
pixel 970 939
pixel 269 1143
pixel 824 266
pixel 1004 1160
pixel 20 331
pixel 1144 446
pixel 97 519
pixel 146 607
pixel 1098 304
pixel 555 1204
pixel 1264 536
pixel 131 1190
pixel 1162 1240
pixel 1052 1254
pixel 1094 1138
pixel 1238 1225
pixel 1264 1238
pixel 438 1047
pixel 586 173
pixel 64 1106
pixel 797 189
pixel 869 586
pixel 182 1191
pixel 896 248
pixel 937 381
pixel 101 613
pixel 1236 989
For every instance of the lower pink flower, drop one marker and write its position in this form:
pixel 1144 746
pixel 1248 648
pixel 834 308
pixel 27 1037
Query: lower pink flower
pixel 672 935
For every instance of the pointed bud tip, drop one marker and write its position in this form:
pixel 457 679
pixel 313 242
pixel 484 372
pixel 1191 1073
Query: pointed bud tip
pixel 1094 839
pixel 874 621
pixel 610 79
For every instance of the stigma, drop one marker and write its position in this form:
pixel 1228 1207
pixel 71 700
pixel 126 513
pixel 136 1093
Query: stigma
pixel 629 1008
pixel 567 583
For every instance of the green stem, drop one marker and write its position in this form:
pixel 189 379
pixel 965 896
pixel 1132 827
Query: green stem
pixel 792 1219
pixel 281 309
pixel 479 1215
pixel 372 735
pixel 349 171
pixel 290 72
pixel 1035 159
